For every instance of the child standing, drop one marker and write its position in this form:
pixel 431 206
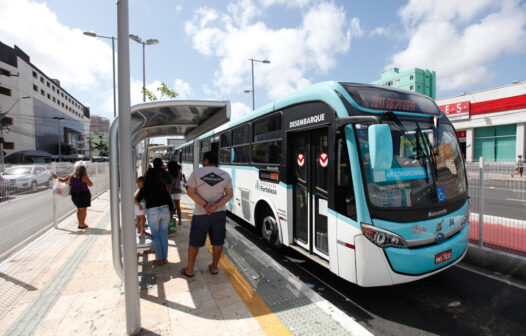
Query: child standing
pixel 139 208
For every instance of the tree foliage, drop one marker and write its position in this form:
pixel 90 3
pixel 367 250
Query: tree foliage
pixel 164 91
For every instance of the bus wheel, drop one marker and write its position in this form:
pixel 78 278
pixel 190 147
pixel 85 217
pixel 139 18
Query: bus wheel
pixel 269 230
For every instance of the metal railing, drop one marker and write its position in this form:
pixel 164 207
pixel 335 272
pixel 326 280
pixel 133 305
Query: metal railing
pixel 28 205
pixel 498 203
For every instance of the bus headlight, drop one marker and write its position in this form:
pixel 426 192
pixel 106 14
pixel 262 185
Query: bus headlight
pixel 382 238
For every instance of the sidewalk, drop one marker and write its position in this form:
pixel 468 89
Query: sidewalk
pixel 64 284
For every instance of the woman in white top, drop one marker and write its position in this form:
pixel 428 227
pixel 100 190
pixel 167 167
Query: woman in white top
pixel 174 169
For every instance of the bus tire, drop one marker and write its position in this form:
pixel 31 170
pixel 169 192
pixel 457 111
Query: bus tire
pixel 269 230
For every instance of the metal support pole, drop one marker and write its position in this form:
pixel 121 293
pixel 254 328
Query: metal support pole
pixel 481 200
pixel 253 100
pixel 114 91
pixel 131 283
pixel 143 72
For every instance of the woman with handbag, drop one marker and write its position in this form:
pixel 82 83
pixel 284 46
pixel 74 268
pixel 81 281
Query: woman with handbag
pixel 174 169
pixel 80 194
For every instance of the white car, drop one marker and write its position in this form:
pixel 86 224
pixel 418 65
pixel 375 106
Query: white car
pixel 28 177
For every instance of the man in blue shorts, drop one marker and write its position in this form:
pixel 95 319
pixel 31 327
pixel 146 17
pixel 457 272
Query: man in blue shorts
pixel 210 188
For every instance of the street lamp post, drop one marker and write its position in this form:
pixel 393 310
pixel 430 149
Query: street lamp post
pixel 247 91
pixel 2 115
pixel 144 43
pixel 58 137
pixel 113 59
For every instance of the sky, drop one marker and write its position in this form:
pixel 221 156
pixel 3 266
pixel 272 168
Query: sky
pixel 205 46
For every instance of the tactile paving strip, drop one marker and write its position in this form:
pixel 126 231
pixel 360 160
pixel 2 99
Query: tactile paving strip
pixel 284 297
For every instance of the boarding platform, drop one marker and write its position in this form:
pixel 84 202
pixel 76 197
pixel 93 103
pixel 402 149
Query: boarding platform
pixel 64 284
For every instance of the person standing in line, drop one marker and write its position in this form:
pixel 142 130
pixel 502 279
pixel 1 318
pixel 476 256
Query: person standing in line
pixel 140 215
pixel 174 169
pixel 163 175
pixel 158 207
pixel 519 168
pixel 210 188
pixel 80 194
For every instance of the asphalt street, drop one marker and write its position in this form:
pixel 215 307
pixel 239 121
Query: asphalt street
pixel 501 198
pixel 459 301
pixel 25 214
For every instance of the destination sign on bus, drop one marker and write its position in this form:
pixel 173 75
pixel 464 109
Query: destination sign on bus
pixel 392 104
pixel 390 99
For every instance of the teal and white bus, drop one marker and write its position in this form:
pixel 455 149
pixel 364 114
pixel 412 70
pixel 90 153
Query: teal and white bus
pixel 366 180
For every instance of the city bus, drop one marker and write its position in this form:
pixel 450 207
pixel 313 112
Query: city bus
pixel 366 180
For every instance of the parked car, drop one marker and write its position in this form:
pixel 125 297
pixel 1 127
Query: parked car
pixel 63 169
pixel 28 177
pixel 6 187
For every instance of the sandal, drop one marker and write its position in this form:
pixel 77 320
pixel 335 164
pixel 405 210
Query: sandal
pixel 212 272
pixel 82 227
pixel 183 272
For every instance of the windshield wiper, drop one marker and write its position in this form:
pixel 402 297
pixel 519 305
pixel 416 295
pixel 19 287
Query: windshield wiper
pixel 420 153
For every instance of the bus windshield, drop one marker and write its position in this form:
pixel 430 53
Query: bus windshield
pixel 426 170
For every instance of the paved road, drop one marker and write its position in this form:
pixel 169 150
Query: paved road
pixel 28 213
pixel 501 198
pixel 458 301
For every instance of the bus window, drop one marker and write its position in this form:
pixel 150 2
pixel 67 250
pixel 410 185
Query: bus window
pixel 267 129
pixel 240 135
pixel 267 152
pixel 344 205
pixel 240 154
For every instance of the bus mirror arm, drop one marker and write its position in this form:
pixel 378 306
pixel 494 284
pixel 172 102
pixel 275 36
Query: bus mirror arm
pixel 358 119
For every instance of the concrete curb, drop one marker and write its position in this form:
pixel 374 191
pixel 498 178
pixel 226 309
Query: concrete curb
pixel 502 262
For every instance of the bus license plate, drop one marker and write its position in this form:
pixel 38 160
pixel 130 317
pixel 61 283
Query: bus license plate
pixel 443 256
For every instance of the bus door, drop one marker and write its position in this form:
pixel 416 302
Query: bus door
pixel 310 159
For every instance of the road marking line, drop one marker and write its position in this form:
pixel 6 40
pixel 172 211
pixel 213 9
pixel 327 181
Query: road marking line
pixel 265 317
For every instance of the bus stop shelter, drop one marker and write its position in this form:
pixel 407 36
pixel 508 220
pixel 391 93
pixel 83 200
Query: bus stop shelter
pixel 187 118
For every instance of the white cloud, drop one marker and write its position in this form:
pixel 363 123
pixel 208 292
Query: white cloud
pixel 183 89
pixel 83 61
pixel 459 40
pixel 239 110
pixel 236 37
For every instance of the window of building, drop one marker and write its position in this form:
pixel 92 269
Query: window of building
pixel 58 102
pixel 411 77
pixel 48 96
pixel 53 88
pixel 54 100
pixel 35 88
pixel 35 74
pixel 48 85
pixel 397 81
pixel 62 104
pixel 495 143
pixel 5 91
pixel 5 72
pixel 41 79
pixel 42 92
pixel 62 94
pixel 411 87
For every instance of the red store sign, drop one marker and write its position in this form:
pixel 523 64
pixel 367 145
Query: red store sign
pixel 461 134
pixel 457 111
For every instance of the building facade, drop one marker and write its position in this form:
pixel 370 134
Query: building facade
pixel 38 113
pixel 415 79
pixel 489 123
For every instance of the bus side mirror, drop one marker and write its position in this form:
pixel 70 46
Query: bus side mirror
pixel 380 146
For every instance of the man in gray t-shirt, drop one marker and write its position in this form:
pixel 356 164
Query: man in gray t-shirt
pixel 210 188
